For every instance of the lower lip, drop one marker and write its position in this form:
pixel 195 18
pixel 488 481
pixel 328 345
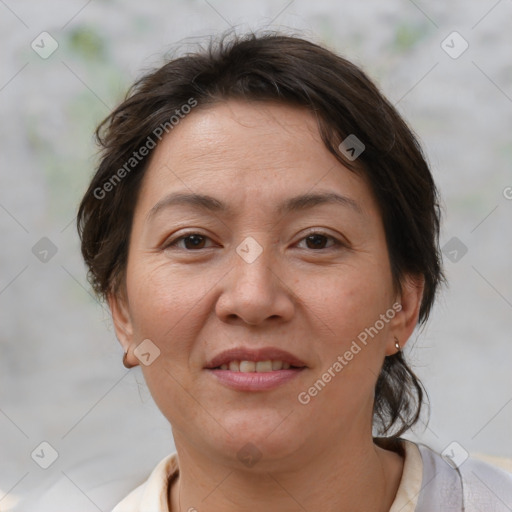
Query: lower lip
pixel 255 381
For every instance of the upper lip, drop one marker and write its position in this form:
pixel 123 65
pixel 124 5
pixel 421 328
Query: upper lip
pixel 262 354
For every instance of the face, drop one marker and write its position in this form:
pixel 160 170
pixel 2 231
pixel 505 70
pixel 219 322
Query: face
pixel 283 266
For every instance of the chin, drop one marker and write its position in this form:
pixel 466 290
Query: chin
pixel 261 439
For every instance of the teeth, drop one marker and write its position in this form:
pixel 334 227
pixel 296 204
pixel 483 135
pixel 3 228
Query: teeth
pixel 247 366
pixel 264 366
pixel 252 366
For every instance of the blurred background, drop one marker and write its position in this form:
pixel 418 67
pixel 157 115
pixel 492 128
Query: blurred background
pixel 65 64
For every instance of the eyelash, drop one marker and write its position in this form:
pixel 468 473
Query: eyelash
pixel 173 243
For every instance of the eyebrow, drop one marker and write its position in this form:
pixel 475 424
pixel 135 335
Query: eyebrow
pixel 211 204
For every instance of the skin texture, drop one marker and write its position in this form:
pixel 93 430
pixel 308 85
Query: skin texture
pixel 194 303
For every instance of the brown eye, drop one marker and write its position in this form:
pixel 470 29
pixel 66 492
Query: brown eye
pixel 194 241
pixel 190 241
pixel 318 241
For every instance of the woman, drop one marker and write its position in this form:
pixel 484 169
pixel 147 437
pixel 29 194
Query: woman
pixel 265 228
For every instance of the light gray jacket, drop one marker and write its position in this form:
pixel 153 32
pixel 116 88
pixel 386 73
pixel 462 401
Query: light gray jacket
pixel 473 486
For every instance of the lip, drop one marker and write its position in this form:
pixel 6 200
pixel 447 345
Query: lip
pixel 255 381
pixel 262 354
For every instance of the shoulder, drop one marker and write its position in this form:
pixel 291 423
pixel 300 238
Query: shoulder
pixel 486 487
pixel 454 482
pixel 152 494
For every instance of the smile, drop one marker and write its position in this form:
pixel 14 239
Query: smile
pixel 255 366
pixel 254 375
pixel 251 369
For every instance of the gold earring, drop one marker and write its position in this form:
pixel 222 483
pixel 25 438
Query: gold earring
pixel 125 361
pixel 397 345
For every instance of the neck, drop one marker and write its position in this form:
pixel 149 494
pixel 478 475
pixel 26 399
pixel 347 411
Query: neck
pixel 353 477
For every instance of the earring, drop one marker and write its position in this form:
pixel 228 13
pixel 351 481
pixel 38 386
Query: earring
pixel 125 361
pixel 397 345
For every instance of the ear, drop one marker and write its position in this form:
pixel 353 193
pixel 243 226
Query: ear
pixel 406 318
pixel 122 321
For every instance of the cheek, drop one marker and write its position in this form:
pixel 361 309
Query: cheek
pixel 350 352
pixel 162 300
pixel 346 301
pixel 167 309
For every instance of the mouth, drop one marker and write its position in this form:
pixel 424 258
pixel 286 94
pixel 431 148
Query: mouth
pixel 257 366
pixel 254 370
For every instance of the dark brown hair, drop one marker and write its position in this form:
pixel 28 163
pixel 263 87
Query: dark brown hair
pixel 288 69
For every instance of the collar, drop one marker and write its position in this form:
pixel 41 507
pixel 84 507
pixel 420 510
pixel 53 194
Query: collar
pixel 151 496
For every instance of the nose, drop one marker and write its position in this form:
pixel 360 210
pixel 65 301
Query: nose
pixel 256 290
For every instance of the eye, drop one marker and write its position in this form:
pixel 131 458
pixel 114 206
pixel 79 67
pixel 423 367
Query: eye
pixel 316 240
pixel 191 241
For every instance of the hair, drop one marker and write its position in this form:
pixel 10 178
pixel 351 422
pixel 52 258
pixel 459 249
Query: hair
pixel 274 67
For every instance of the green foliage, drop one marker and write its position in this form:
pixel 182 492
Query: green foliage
pixel 407 36
pixel 87 43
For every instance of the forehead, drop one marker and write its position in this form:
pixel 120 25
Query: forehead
pixel 235 132
pixel 247 151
